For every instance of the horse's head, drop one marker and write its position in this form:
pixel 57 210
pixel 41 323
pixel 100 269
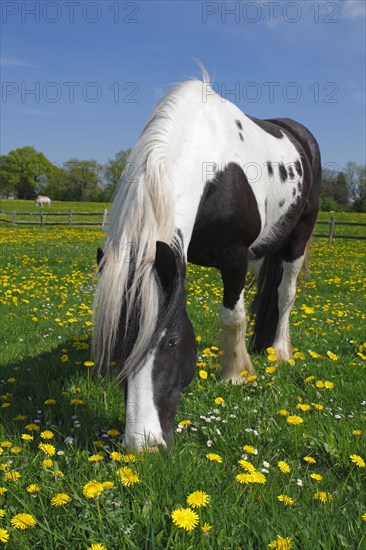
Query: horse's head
pixel 153 387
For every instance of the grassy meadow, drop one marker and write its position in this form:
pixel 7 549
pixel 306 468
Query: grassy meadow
pixel 280 462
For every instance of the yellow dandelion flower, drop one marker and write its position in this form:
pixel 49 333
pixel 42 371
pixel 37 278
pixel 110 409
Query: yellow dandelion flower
pixel 47 449
pixel 27 437
pixel 253 477
pixel 47 434
pixel 198 499
pixel 92 489
pixel 12 475
pixel 184 423
pixel 248 466
pixel 32 427
pixel 309 379
pixel 60 499
pixel 185 518
pixel 23 521
pixel 203 374
pixel 284 467
pixel 315 355
pixel 358 460
pixel 89 363
pixel 283 412
pixel 33 489
pixel 250 450
pixel 310 459
pixel 257 477
pixel 332 356
pixel 356 432
pixel 50 402
pixel 328 385
pixel 270 370
pixel 97 546
pixel 281 543
pixel 364 516
pixel 15 450
pixel 47 463
pixel 287 501
pixel 323 496
pixel 76 402
pixel 127 476
pixel 108 484
pixel 318 406
pixel 319 384
pixel 129 458
pixel 317 477
pixel 214 457
pixel 219 401
pixel 113 432
pixel 206 528
pixel 4 536
pixel 117 457
pixel 295 420
pixel 303 407
pixel 3 490
pixel 96 458
pixel 2 513
pixel 64 358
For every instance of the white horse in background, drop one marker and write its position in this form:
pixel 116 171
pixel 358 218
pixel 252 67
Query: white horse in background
pixel 42 199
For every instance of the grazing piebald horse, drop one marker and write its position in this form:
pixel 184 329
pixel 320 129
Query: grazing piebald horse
pixel 208 184
pixel 42 199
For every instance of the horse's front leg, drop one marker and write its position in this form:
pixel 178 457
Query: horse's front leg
pixel 237 365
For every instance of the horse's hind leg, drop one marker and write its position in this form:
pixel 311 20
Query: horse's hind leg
pixel 236 360
pixel 286 299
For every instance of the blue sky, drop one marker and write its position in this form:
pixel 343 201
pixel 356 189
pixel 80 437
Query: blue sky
pixel 79 79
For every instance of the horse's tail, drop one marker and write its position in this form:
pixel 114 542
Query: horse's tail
pixel 265 304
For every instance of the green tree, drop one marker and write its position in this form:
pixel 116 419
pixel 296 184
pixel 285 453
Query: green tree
pixel 112 172
pixel 80 180
pixel 356 179
pixel 334 192
pixel 25 172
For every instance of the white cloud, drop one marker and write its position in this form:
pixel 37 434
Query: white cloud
pixel 355 8
pixel 12 62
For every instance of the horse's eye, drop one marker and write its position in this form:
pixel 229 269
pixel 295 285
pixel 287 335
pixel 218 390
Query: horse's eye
pixel 172 342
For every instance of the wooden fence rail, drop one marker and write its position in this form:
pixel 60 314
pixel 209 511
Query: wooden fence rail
pixel 71 222
pixel 43 215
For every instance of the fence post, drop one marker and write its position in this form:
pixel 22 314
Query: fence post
pixel 14 217
pixel 41 216
pixel 105 217
pixel 331 229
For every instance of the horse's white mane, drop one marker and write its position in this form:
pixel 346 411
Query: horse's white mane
pixel 142 213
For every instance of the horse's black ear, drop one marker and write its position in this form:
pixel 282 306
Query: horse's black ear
pixel 165 265
pixel 100 256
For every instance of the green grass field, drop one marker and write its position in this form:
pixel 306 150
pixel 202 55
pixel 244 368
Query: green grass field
pixel 295 426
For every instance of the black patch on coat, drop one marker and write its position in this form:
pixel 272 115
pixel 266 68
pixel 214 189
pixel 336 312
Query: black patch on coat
pixel 241 136
pixel 291 173
pixel 281 203
pixel 270 168
pixel 239 124
pixel 227 216
pixel 298 167
pixel 294 191
pixel 283 172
